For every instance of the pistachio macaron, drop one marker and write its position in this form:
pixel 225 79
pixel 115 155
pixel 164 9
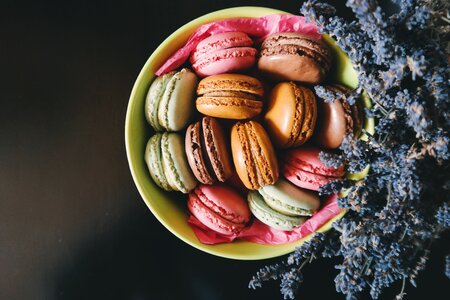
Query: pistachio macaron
pixel 286 198
pixel 167 163
pixel 271 217
pixel 169 103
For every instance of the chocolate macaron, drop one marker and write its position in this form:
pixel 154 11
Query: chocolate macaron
pixel 293 56
pixel 291 114
pixel 253 155
pixel 230 96
pixel 207 151
pixel 337 118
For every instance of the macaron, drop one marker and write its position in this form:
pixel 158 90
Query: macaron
pixel 167 163
pixel 336 119
pixel 303 167
pixel 223 53
pixel 292 56
pixel 207 151
pixel 271 217
pixel 291 114
pixel 285 198
pixel 230 96
pixel 219 208
pixel 170 100
pixel 253 155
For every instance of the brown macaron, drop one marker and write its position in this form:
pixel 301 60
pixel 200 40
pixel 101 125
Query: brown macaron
pixel 230 96
pixel 336 119
pixel 291 115
pixel 293 56
pixel 207 151
pixel 253 155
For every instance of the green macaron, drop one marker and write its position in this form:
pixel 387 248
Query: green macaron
pixel 270 217
pixel 170 100
pixel 167 163
pixel 290 200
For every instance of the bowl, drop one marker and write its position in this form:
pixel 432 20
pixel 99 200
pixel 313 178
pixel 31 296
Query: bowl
pixel 170 208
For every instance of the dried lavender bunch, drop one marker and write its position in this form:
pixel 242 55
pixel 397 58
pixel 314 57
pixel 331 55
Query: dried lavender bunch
pixel 402 206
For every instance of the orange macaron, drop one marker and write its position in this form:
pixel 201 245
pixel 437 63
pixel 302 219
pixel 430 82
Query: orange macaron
pixel 291 114
pixel 253 155
pixel 230 96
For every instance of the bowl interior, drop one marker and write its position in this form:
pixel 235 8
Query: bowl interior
pixel 170 208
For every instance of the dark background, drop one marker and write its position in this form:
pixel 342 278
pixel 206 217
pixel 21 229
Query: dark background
pixel 72 224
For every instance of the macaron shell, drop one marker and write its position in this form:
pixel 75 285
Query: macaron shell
pixel 176 106
pixel 287 199
pixel 253 155
pixel 220 41
pixel 303 42
pixel 285 67
pixel 195 154
pixel 271 217
pixel 242 157
pixel 225 201
pixel 229 108
pixel 153 99
pixel 307 159
pixel 264 153
pixel 217 148
pixel 331 124
pixel 175 165
pixel 225 61
pixel 305 179
pixel 291 114
pixel 153 158
pixel 230 82
pixel 280 115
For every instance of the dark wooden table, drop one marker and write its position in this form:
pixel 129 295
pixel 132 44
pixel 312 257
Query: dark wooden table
pixel 72 224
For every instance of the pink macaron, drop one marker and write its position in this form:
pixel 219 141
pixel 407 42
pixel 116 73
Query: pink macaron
pixel 219 208
pixel 223 53
pixel 303 167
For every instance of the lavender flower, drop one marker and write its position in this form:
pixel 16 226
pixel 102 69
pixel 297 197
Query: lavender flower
pixel 398 210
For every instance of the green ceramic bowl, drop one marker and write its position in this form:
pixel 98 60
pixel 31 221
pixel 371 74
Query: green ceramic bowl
pixel 170 208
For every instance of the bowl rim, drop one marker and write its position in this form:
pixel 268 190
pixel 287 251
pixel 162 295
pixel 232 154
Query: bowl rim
pixel 212 16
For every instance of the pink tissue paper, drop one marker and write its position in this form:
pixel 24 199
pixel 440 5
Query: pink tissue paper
pixel 260 233
pixel 257 28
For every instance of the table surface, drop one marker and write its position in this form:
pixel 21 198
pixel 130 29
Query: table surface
pixel 73 225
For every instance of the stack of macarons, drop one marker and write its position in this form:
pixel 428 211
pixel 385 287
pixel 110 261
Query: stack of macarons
pixel 247 109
